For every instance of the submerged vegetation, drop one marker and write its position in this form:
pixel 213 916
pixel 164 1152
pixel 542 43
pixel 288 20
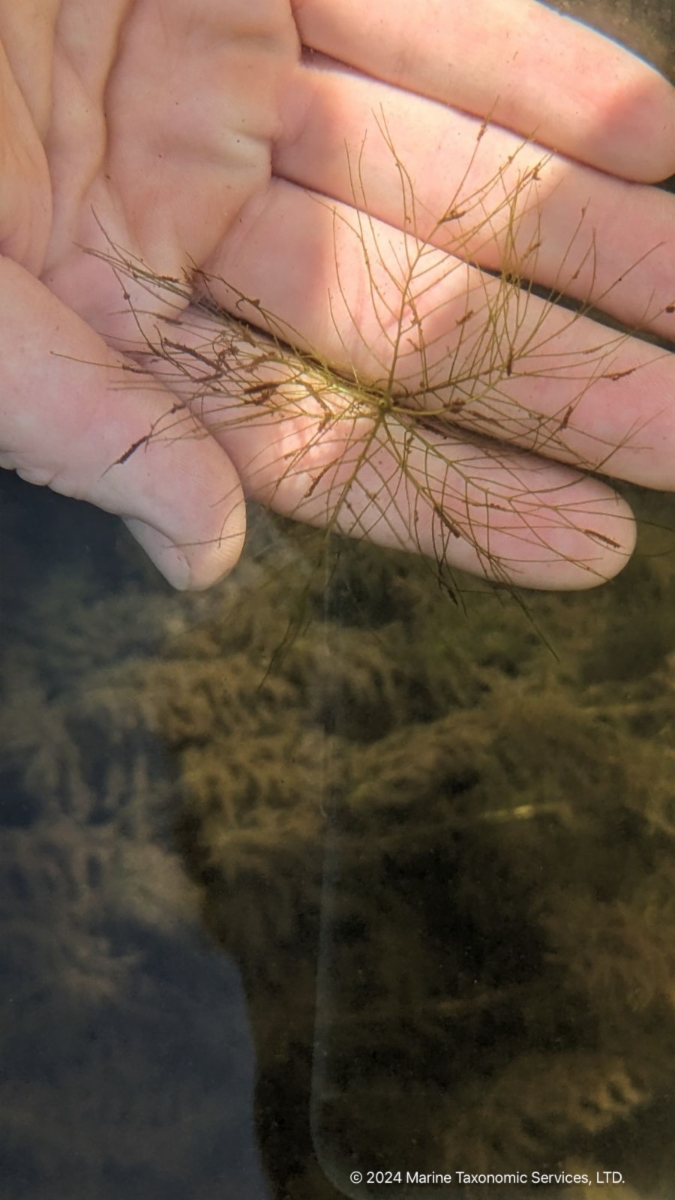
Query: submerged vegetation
pixel 441 860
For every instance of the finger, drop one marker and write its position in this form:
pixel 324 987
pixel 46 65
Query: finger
pixel 28 40
pixel 314 454
pixel 431 332
pixel 474 506
pixel 482 192
pixel 66 421
pixel 25 196
pixel 526 67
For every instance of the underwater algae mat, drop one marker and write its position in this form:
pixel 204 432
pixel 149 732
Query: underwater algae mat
pixel 436 841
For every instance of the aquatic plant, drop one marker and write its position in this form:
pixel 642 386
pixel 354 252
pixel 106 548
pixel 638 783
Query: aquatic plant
pixel 410 428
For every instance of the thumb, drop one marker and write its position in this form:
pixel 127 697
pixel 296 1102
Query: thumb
pixel 80 418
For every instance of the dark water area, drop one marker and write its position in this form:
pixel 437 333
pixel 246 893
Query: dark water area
pixel 127 1053
pixel 320 873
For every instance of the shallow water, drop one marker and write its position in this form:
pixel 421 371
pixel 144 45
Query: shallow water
pixel 412 885
pixel 392 894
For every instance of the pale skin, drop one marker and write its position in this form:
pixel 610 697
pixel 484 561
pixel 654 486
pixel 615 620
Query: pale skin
pixel 189 132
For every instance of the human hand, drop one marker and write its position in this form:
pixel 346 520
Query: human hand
pixel 139 152
pixel 155 119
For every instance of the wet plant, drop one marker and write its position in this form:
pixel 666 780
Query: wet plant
pixel 411 431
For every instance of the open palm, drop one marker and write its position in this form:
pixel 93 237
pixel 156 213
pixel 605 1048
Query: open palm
pixel 204 135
